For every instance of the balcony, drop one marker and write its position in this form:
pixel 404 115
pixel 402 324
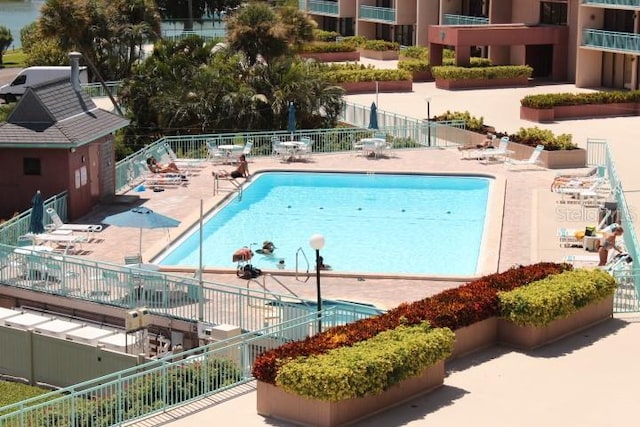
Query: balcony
pixel 612 41
pixel 380 14
pixel 464 20
pixel 616 4
pixel 322 7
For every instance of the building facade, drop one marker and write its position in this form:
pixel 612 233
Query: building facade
pixel 593 43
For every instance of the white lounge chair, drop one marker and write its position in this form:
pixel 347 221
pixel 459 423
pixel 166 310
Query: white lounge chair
pixel 58 224
pixel 62 241
pixel 581 193
pixel 500 153
pixel 533 160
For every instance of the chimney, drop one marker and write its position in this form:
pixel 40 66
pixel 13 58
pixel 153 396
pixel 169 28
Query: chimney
pixel 75 70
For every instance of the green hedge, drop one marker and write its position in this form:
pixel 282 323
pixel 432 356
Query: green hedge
pixel 555 297
pixel 350 73
pixel 550 100
pixel 380 45
pixel 496 72
pixel 413 65
pixel 368 367
pixel 415 52
pixel 319 47
pixel 325 36
pixel 551 142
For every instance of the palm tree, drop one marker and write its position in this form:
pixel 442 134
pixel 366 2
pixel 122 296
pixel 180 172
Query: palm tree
pixel 257 30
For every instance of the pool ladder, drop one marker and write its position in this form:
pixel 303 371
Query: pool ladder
pixel 301 255
pixel 236 185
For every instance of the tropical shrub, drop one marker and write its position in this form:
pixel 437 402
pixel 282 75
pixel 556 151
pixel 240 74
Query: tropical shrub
pixel 453 309
pixel 481 72
pixel 368 367
pixel 357 41
pixel 415 52
pixel 550 100
pixel 380 45
pixel 352 72
pixel 555 297
pixel 319 47
pixel 414 65
pixel 473 124
pixel 534 136
pixel 325 36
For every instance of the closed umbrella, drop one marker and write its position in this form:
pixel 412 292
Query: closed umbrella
pixel 373 118
pixel 37 213
pixel 291 121
pixel 141 217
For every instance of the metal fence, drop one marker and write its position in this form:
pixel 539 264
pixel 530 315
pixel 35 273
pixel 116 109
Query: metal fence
pixel 159 385
pixel 171 295
pixel 18 225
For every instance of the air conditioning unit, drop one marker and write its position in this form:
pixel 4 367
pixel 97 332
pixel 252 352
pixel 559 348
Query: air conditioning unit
pixel 145 316
pixel 132 320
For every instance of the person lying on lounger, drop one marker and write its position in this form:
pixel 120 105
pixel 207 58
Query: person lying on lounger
pixel 487 143
pixel 241 171
pixel 156 167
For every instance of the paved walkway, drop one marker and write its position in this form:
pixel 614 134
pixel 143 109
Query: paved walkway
pixel 587 379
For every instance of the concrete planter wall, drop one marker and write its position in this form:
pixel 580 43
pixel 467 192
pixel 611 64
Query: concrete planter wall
pixel 383 55
pixel 579 111
pixel 383 86
pixel 332 56
pixel 481 83
pixel 422 76
pixel 274 402
pixel 475 337
pixel 560 159
pixel 530 337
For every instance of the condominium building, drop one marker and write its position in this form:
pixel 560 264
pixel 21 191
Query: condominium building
pixel 594 43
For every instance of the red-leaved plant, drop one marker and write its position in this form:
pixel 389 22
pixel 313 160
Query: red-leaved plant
pixel 453 308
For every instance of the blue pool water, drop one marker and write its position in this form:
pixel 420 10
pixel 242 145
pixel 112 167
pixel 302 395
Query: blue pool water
pixel 372 223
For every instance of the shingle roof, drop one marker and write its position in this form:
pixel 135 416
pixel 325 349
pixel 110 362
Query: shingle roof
pixel 53 115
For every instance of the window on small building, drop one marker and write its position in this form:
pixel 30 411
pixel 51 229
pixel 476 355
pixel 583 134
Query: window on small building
pixel 553 12
pixel 31 166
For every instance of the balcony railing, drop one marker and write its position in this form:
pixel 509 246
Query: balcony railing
pixel 323 7
pixel 617 3
pixel 611 40
pixel 384 14
pixel 464 20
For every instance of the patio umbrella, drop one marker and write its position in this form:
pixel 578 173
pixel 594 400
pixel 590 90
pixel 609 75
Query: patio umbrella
pixel 141 217
pixel 373 118
pixel 37 213
pixel 291 121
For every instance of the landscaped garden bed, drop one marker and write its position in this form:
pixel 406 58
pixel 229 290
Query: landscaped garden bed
pixel 450 77
pixel 358 78
pixel 379 49
pixel 550 107
pixel 308 375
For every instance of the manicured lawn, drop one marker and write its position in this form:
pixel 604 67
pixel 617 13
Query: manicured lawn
pixel 11 392
pixel 14 59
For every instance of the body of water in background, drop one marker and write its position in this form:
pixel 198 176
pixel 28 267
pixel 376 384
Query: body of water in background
pixel 16 15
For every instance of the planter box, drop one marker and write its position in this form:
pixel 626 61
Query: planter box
pixel 383 55
pixel 332 56
pixel 274 402
pixel 475 337
pixel 579 111
pixel 530 337
pixel 481 83
pixel 560 159
pixel 383 86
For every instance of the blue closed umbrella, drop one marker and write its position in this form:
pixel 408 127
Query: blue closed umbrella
pixel 291 121
pixel 373 118
pixel 141 217
pixel 37 213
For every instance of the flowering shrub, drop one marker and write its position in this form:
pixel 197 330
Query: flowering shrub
pixel 453 308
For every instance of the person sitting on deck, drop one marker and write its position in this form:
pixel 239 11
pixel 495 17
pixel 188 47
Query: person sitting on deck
pixel 241 171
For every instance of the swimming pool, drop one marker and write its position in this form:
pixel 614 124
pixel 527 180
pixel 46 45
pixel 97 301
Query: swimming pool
pixel 373 223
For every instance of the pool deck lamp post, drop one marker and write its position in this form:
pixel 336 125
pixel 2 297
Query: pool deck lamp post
pixel 317 242
pixel 428 99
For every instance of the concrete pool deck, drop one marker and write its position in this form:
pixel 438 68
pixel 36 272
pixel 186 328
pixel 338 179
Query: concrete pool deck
pixel 584 380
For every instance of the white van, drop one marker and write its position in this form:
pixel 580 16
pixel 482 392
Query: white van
pixel 34 76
